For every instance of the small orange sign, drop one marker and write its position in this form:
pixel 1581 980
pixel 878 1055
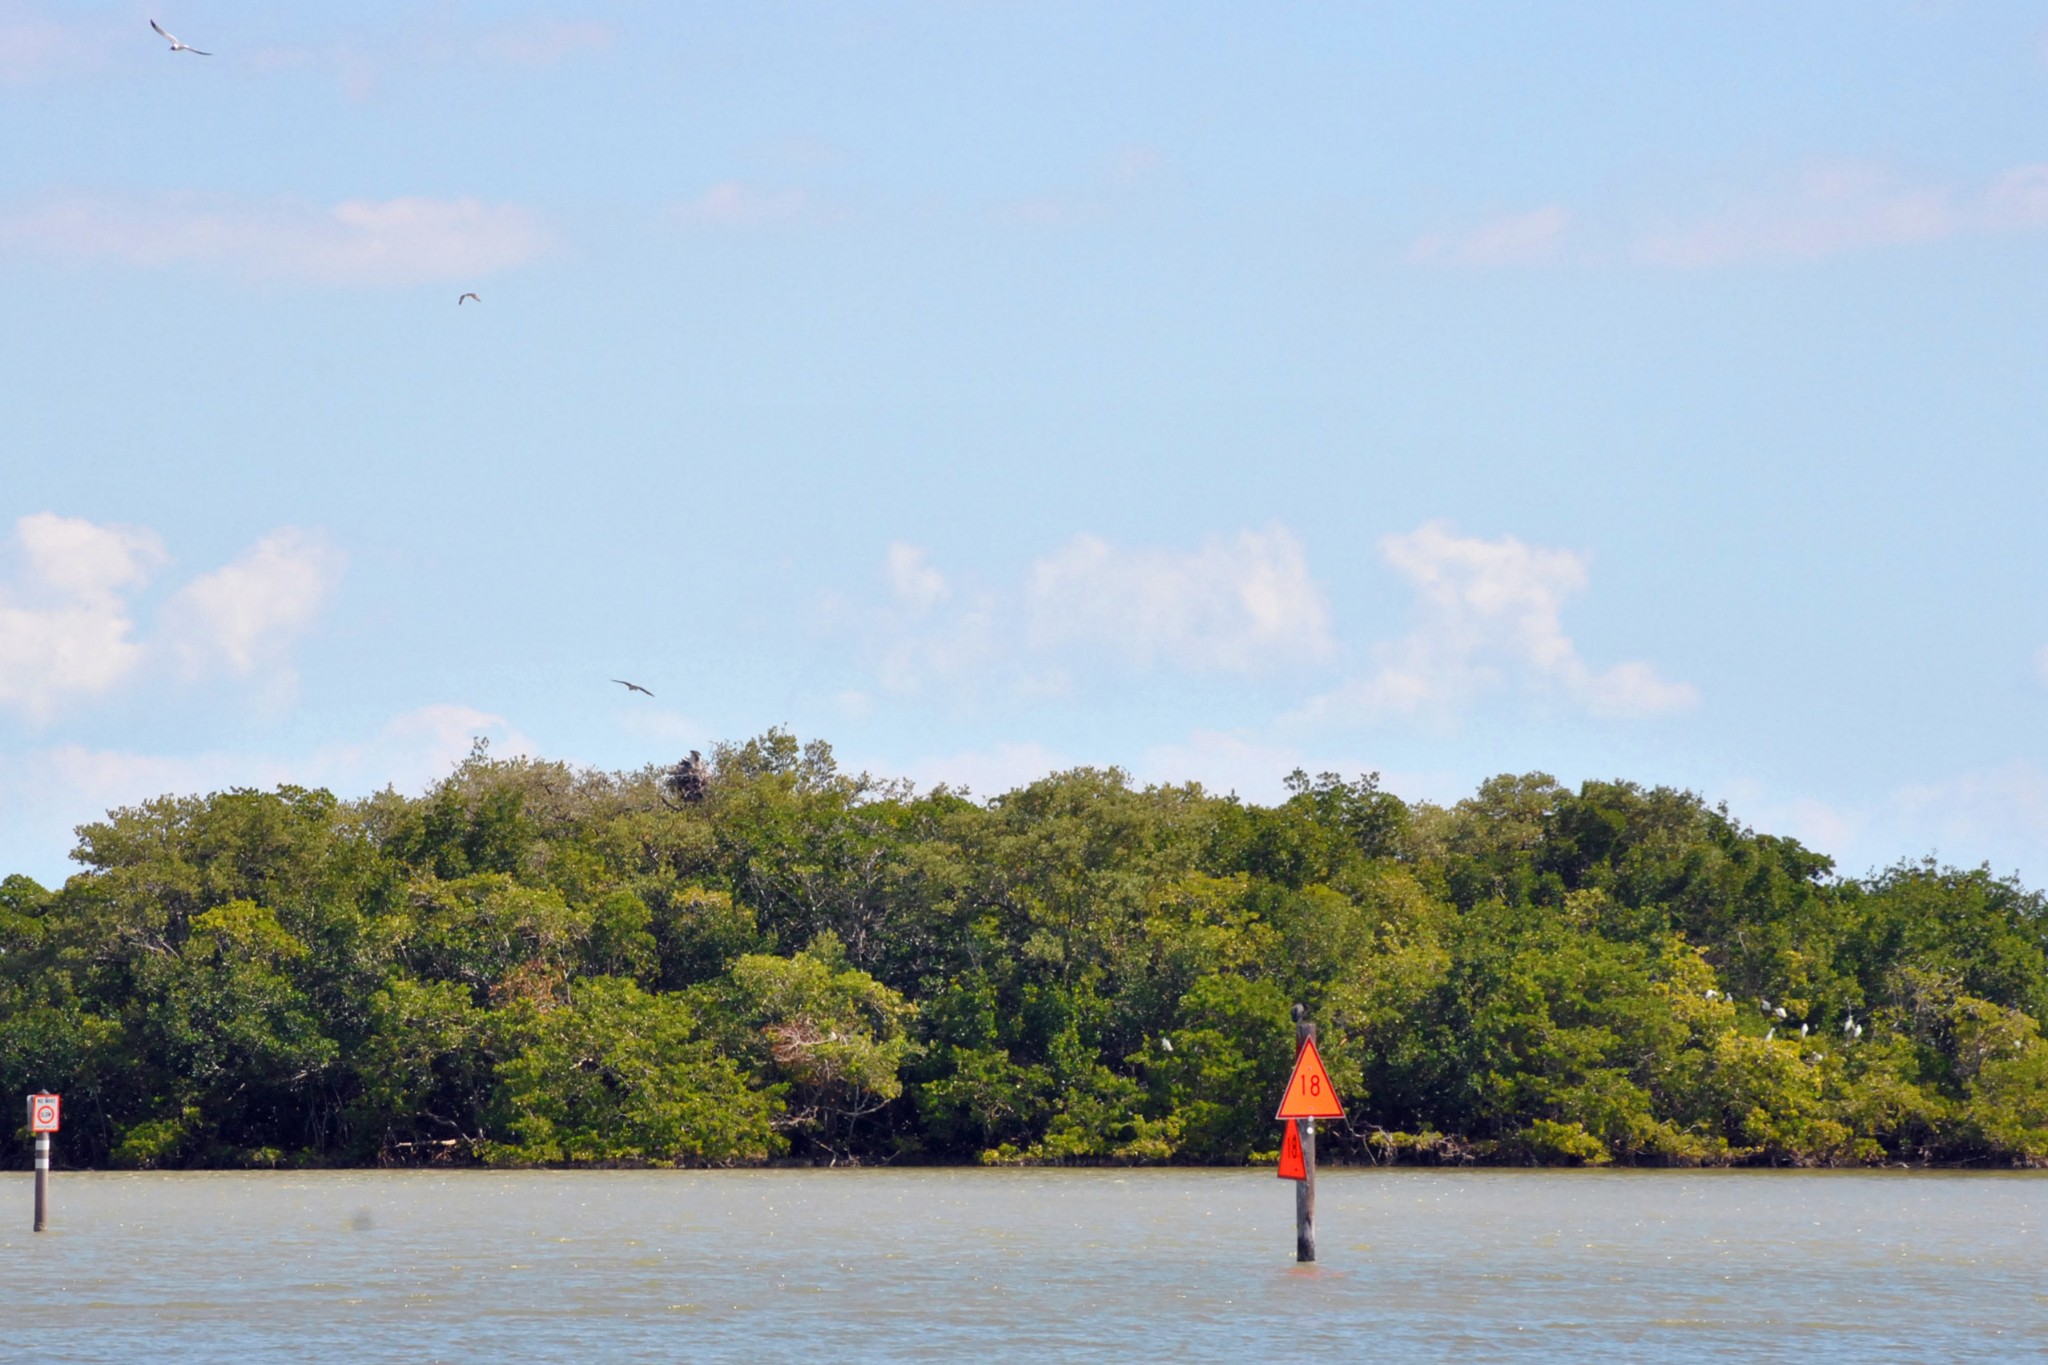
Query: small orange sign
pixel 1292 1167
pixel 42 1113
pixel 1309 1092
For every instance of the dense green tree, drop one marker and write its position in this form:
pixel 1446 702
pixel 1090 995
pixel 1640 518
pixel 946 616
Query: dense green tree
pixel 771 957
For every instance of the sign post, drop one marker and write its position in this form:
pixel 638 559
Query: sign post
pixel 1309 1097
pixel 43 1113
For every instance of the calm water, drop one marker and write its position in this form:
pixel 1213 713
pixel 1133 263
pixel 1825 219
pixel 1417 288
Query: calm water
pixel 1416 1265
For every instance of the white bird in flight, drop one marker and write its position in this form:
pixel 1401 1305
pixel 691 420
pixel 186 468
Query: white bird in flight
pixel 176 46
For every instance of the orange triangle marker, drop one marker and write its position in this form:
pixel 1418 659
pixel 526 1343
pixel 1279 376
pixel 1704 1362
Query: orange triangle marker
pixel 1291 1165
pixel 1309 1092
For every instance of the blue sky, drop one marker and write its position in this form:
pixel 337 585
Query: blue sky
pixel 1441 390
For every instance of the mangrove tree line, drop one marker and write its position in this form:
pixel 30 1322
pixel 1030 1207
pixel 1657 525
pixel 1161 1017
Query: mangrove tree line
pixel 757 956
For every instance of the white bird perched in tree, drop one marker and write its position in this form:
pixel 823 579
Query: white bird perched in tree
pixel 1713 994
pixel 176 46
pixel 1802 1030
pixel 1778 1013
pixel 1769 1034
pixel 1859 1031
pixel 1848 1025
pixel 1763 1004
pixel 1166 1044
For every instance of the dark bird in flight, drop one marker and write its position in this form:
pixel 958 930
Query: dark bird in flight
pixel 176 46
pixel 632 687
pixel 459 300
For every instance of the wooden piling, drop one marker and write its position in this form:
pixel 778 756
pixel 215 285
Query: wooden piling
pixel 1305 1188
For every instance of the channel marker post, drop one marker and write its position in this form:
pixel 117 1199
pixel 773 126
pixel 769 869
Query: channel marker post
pixel 1309 1096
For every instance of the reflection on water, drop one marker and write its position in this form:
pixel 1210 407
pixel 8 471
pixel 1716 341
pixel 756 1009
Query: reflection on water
pixel 1416 1265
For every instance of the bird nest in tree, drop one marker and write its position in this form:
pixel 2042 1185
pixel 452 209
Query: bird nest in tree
pixel 689 780
pixel 792 1042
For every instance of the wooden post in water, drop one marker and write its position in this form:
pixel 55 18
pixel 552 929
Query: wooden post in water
pixel 42 1181
pixel 1305 1188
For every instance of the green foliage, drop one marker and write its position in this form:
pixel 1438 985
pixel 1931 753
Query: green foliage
pixel 621 1077
pixel 829 1038
pixel 535 964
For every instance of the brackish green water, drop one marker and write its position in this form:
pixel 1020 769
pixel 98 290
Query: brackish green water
pixel 860 1265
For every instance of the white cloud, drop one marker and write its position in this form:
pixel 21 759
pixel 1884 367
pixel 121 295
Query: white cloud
pixel 1832 208
pixel 1994 815
pixel 1530 238
pixel 915 583
pixel 65 627
pixel 1243 604
pixel 1255 767
pixel 917 642
pixel 991 771
pixel 33 47
pixel 356 242
pixel 1135 162
pixel 1998 815
pixel 545 42
pixel 47 793
pixel 411 751
pixel 1826 209
pixel 1239 604
pixel 1224 761
pixel 737 204
pixel 68 630
pixel 2018 200
pixel 417 44
pixel 660 724
pixel 245 614
pixel 1489 619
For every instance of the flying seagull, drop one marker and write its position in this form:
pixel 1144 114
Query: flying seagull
pixel 176 46
pixel 632 687
pixel 459 300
